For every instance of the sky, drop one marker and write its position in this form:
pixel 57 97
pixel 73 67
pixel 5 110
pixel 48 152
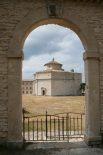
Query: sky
pixel 52 41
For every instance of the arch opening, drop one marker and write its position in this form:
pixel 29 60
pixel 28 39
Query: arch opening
pixel 91 56
pixel 90 45
pixel 45 86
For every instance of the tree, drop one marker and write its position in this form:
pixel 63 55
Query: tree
pixel 82 88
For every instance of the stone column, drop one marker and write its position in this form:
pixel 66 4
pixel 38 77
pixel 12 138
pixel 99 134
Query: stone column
pixel 92 98
pixel 14 100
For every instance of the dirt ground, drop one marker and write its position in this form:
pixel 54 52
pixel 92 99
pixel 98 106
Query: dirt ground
pixel 57 104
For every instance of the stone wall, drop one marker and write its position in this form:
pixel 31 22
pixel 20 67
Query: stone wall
pixel 15 12
pixel 57 83
pixel 65 83
pixel 39 85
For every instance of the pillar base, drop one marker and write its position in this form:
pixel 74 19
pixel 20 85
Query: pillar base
pixel 90 141
pixel 11 145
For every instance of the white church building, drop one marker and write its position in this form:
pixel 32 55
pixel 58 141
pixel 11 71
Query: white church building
pixel 54 81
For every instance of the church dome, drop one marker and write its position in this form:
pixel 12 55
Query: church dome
pixel 53 65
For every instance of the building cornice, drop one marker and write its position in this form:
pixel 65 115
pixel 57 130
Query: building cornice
pixel 91 55
pixel 54 71
pixel 27 80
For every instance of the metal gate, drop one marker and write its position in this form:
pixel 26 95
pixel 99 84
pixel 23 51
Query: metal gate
pixel 59 127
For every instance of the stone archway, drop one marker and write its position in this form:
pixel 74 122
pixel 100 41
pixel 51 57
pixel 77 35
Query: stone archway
pixel 91 58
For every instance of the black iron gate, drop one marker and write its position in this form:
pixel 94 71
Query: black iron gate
pixel 59 127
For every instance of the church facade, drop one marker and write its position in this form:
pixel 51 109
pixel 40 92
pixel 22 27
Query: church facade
pixel 54 81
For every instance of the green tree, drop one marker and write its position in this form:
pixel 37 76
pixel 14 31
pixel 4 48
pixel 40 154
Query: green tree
pixel 82 88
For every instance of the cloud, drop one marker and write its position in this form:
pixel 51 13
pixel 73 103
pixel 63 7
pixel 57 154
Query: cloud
pixel 50 41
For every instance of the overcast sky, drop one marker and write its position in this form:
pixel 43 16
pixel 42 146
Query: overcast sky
pixel 48 42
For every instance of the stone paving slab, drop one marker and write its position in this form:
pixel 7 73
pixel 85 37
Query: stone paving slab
pixel 78 151
pixel 55 145
pixel 54 148
pixel 81 151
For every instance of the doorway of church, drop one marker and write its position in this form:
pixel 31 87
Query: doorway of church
pixel 43 92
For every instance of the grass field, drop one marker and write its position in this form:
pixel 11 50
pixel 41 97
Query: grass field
pixel 38 105
pixel 61 104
